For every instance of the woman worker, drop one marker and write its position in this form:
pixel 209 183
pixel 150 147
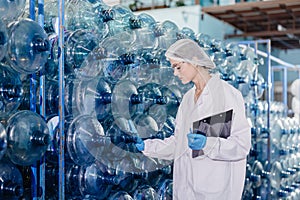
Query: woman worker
pixel 210 165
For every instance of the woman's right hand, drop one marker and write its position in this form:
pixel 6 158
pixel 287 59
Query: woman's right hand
pixel 140 145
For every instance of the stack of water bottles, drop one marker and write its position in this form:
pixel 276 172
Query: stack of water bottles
pixel 118 86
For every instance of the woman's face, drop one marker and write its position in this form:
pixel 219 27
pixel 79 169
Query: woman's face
pixel 186 72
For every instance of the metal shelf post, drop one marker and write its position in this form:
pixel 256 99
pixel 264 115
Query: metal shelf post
pixel 61 6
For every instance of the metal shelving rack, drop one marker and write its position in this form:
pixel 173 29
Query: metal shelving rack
pixel 39 169
pixel 61 15
pixel 282 66
pixel 268 87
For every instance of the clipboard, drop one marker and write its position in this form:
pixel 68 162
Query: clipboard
pixel 218 125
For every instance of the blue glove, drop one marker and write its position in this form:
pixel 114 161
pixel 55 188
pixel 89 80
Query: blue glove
pixel 196 141
pixel 140 145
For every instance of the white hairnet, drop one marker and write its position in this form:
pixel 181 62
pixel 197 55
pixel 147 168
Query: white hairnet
pixel 187 50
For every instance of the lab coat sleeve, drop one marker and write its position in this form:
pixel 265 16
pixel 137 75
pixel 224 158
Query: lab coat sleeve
pixel 164 149
pixel 161 149
pixel 237 145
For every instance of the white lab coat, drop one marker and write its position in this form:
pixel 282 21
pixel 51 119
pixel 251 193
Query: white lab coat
pixel 219 174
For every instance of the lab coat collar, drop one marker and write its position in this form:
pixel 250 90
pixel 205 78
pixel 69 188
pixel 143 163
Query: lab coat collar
pixel 211 97
pixel 210 84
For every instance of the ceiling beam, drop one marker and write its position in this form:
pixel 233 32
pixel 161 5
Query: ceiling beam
pixel 284 44
pixel 264 33
pixel 278 20
pixel 243 6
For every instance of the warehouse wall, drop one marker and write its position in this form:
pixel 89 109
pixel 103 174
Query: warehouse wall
pixel 291 56
pixel 191 16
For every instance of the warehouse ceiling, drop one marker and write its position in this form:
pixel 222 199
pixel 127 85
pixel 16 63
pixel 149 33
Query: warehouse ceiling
pixel 277 20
